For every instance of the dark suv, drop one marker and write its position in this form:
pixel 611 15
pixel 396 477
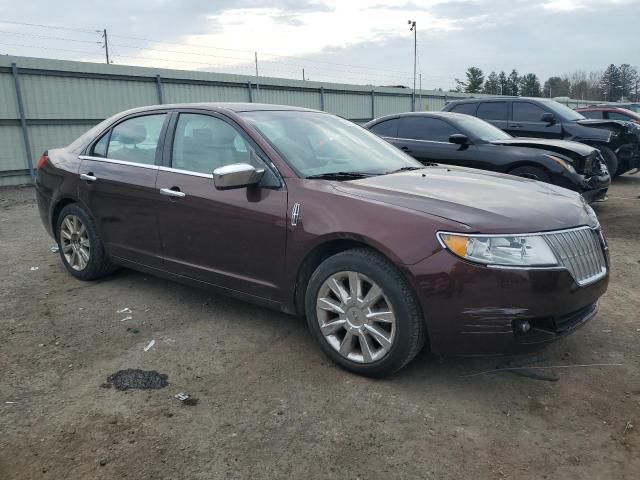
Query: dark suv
pixel 545 118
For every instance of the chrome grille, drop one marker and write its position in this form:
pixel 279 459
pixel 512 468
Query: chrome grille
pixel 579 251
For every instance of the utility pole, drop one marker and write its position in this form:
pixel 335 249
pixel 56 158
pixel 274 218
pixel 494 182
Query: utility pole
pixel 303 79
pixel 421 106
pixel 414 29
pixel 257 82
pixel 106 44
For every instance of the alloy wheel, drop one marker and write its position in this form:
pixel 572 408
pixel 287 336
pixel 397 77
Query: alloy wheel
pixel 355 317
pixel 74 242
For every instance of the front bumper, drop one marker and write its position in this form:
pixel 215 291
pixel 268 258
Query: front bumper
pixel 471 309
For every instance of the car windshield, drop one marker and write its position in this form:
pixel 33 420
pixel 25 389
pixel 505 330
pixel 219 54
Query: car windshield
pixel 481 129
pixel 315 143
pixel 564 112
pixel 633 108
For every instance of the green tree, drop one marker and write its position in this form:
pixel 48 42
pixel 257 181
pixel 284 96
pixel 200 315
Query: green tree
pixel 611 84
pixel 530 86
pixel 491 85
pixel 556 87
pixel 513 83
pixel 473 84
pixel 628 76
pixel 502 83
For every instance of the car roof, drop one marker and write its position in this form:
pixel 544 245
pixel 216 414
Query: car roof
pixel 222 106
pixel 416 114
pixel 500 98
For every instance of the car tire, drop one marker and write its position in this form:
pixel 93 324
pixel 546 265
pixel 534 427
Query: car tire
pixel 609 157
pixel 533 173
pixel 81 250
pixel 372 337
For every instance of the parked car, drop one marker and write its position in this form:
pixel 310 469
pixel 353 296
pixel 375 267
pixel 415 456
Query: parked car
pixel 610 113
pixel 618 141
pixel 634 107
pixel 459 139
pixel 305 212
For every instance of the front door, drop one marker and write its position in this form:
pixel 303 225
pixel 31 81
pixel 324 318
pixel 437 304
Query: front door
pixel 526 121
pixel 118 186
pixel 427 140
pixel 230 238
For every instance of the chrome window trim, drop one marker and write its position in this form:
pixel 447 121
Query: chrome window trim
pixel 418 140
pixel 117 162
pixel 186 172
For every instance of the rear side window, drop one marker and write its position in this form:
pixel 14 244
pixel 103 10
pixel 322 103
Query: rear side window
pixel 467 108
pixel 527 112
pixel 425 128
pixel 100 147
pixel 592 114
pixel 493 111
pixel 388 128
pixel 136 140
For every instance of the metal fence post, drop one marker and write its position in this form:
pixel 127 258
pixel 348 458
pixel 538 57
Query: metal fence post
pixel 373 104
pixel 250 93
pixel 23 122
pixel 159 89
pixel 322 98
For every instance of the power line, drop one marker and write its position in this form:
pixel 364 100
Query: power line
pixel 49 26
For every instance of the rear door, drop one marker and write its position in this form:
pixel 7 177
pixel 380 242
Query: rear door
pixel 234 239
pixel 526 121
pixel 118 174
pixel 496 113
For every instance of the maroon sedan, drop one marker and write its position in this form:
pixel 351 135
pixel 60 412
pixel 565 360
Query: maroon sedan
pixel 610 113
pixel 308 213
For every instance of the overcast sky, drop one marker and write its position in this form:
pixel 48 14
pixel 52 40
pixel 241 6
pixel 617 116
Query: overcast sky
pixel 352 41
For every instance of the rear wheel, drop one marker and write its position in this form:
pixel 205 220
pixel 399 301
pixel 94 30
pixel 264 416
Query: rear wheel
pixel 80 248
pixel 363 313
pixel 533 173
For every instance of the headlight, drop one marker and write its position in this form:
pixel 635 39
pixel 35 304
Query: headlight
pixel 507 250
pixel 562 162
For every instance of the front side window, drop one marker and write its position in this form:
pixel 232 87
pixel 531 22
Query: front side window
pixel 527 112
pixel 619 116
pixel 203 143
pixel 314 143
pixel 493 111
pixel 425 128
pixel 136 140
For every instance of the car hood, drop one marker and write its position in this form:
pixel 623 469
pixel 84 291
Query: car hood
pixel 483 201
pixel 616 125
pixel 558 146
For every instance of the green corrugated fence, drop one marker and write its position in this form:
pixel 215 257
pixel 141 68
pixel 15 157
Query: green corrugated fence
pixel 47 103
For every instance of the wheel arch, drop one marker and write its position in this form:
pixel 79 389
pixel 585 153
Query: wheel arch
pixel 55 212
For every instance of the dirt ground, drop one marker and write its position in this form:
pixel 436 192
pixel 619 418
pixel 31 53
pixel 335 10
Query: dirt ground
pixel 270 405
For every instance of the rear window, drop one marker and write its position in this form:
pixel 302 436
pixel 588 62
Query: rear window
pixel 493 111
pixel 468 108
pixel 388 128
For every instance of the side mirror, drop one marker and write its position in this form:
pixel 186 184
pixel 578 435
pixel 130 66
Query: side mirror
pixel 236 175
pixel 459 139
pixel 548 118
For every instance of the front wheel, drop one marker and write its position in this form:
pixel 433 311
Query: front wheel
pixel 363 313
pixel 533 173
pixel 610 158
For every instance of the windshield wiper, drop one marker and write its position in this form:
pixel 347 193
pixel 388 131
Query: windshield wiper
pixel 405 169
pixel 341 175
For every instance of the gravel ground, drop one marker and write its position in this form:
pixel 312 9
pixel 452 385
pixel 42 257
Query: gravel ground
pixel 270 405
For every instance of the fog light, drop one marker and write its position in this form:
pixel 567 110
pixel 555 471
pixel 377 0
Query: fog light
pixel 520 327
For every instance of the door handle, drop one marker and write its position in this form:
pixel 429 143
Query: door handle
pixel 515 125
pixel 172 192
pixel 405 149
pixel 89 177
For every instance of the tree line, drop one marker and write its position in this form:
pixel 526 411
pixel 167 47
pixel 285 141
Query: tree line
pixel 615 83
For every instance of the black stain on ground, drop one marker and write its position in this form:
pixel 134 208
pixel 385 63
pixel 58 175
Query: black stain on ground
pixel 136 379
